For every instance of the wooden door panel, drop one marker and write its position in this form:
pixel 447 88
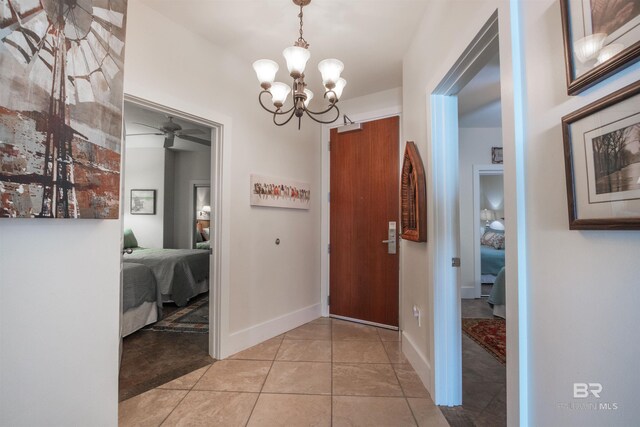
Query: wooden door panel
pixel 364 198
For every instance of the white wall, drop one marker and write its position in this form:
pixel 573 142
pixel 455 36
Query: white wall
pixel 492 194
pixel 144 169
pixel 266 282
pixel 582 286
pixel 189 166
pixel 475 149
pixel 59 330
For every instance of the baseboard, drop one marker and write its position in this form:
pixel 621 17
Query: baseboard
pixel 419 362
pixel 467 293
pixel 245 338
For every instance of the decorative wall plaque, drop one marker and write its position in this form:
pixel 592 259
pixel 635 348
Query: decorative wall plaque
pixel 413 196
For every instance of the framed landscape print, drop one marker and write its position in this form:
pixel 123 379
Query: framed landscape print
pixel 601 37
pixel 602 162
pixel 143 202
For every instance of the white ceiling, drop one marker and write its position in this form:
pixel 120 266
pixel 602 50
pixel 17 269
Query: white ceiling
pixel 136 116
pixel 479 101
pixel 369 36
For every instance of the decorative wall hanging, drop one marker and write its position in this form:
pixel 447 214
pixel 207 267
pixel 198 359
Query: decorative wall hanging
pixel 496 155
pixel 601 37
pixel 61 107
pixel 413 196
pixel 279 193
pixel 143 202
pixel 602 162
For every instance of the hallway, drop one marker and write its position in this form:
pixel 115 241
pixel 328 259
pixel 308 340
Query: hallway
pixel 327 372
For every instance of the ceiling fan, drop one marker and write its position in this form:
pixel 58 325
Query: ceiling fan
pixel 172 130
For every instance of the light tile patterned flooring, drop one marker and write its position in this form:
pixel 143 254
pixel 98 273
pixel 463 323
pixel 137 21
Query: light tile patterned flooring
pixel 327 372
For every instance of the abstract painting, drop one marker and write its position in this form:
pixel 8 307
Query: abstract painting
pixel 279 193
pixel 61 107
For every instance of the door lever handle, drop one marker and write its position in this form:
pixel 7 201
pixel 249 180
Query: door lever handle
pixel 389 241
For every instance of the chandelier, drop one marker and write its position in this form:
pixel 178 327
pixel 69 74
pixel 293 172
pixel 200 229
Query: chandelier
pixel 297 57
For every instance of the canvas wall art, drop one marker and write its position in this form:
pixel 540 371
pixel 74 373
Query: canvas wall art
pixel 602 158
pixel 601 37
pixel 279 193
pixel 61 107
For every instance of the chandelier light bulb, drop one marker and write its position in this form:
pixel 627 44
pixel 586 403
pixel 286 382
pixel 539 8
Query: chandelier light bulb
pixel 337 90
pixel 330 70
pixel 266 70
pixel 296 58
pixel 587 48
pixel 279 93
pixel 309 97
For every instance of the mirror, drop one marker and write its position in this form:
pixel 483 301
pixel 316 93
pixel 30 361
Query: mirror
pixel 201 216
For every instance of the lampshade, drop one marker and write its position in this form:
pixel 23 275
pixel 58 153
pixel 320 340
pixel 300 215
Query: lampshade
pixel 497 225
pixel 587 48
pixel 279 92
pixel 609 52
pixel 330 70
pixel 206 208
pixel 296 58
pixel 340 84
pixel 266 70
pixel 309 97
pixel 487 215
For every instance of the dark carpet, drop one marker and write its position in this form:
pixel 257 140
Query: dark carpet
pixel 151 358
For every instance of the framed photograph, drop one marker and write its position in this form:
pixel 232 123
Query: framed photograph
pixel 143 202
pixel 602 162
pixel 279 192
pixel 496 155
pixel 601 37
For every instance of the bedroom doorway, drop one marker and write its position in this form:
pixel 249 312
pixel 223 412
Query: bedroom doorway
pixel 171 228
pixel 445 248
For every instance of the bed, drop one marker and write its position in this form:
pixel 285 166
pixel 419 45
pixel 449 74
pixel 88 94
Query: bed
pixel 491 260
pixel 141 301
pixel 180 274
pixel 497 297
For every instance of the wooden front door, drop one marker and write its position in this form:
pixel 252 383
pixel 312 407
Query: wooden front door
pixel 364 200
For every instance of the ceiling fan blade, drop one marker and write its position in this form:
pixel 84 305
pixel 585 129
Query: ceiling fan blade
pixel 191 131
pixel 142 134
pixel 194 139
pixel 152 127
pixel 168 141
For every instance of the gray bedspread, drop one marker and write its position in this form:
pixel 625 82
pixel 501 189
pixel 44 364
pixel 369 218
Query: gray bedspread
pixel 139 286
pixel 176 270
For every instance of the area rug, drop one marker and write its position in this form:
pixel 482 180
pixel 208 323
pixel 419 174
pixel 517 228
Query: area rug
pixel 192 318
pixel 491 334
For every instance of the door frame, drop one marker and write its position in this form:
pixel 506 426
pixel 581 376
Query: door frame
pixel 478 171
pixel 442 118
pixel 325 208
pixel 220 196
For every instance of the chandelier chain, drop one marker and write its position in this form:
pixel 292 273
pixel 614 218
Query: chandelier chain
pixel 300 15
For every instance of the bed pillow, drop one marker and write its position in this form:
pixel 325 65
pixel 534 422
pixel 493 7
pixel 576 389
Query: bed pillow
pixel 493 239
pixel 130 240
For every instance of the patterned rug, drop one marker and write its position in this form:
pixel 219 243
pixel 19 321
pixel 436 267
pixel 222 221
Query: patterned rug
pixel 192 318
pixel 491 334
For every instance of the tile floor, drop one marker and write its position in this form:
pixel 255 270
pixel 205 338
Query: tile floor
pixel 325 373
pixel 484 392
